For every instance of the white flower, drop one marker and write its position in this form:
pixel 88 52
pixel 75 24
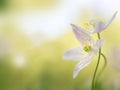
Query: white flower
pixel 86 52
pixel 114 58
pixel 100 25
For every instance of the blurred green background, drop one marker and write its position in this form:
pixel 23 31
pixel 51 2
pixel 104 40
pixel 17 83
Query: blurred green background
pixel 34 34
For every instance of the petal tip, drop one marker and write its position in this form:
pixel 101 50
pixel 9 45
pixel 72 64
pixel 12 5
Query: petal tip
pixel 73 26
pixel 116 12
pixel 76 71
pixel 110 20
pixel 74 75
pixel 114 15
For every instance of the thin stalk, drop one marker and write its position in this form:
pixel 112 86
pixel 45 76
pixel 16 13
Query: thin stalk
pixel 93 80
pixel 103 68
pixel 98 34
pixel 95 72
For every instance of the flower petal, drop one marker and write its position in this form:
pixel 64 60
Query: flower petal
pixel 110 20
pixel 75 54
pixel 82 64
pixel 82 36
pixel 100 42
pixel 114 58
pixel 99 27
pixel 98 45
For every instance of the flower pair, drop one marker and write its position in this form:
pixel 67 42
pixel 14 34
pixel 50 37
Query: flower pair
pixel 89 48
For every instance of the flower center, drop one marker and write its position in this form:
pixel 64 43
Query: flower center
pixel 93 22
pixel 87 25
pixel 87 48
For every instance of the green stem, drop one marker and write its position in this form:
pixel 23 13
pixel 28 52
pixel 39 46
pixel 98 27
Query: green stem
pixel 93 80
pixel 105 64
pixel 98 35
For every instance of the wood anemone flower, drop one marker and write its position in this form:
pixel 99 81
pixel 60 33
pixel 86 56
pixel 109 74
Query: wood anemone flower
pixel 84 53
pixel 99 26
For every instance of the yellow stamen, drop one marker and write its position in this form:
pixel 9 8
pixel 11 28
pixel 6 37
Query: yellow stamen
pixel 87 48
pixel 93 24
pixel 87 25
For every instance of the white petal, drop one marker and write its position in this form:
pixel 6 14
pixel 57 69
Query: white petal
pixel 100 42
pixel 99 27
pixel 82 64
pixel 75 54
pixel 98 45
pixel 82 35
pixel 114 58
pixel 110 20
